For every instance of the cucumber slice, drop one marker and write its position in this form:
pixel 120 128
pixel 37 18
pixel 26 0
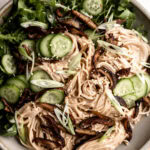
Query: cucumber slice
pixel 8 64
pixel 23 78
pixel 1 105
pixel 17 82
pixel 130 100
pixel 38 47
pixel 53 97
pixel 124 87
pixel 139 87
pixel 60 45
pixel 44 46
pixel 40 74
pixel 30 44
pixel 93 7
pixel 10 92
pixel 147 79
pixel 34 24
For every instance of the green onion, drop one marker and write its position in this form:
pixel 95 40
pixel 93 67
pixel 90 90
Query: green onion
pixel 114 101
pixel 47 83
pixel 33 62
pixel 108 25
pixel 66 72
pixel 107 134
pixel 140 35
pixel 114 49
pixel 64 119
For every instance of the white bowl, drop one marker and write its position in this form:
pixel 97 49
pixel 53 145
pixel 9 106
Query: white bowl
pixel 142 129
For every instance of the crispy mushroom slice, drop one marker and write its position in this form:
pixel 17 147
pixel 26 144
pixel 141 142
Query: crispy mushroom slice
pixel 46 106
pixel 137 108
pixel 77 32
pixel 87 123
pixel 85 132
pixel 127 128
pixel 86 138
pixel 47 143
pixel 148 61
pixel 70 22
pixel 59 13
pixel 110 75
pixel 123 72
pixel 121 101
pixel 147 100
pixel 53 127
pixel 7 108
pixel 85 19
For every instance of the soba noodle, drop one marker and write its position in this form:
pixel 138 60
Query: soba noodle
pixel 87 91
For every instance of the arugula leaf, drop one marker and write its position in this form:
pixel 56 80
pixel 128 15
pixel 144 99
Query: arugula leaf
pixel 7 128
pixel 16 37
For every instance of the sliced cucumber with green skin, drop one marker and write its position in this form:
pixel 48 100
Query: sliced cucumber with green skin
pixel 93 7
pixel 8 64
pixel 1 105
pixel 23 78
pixel 130 100
pixel 17 82
pixel 40 74
pixel 34 24
pixel 30 44
pixel 140 88
pixel 38 47
pixel 45 46
pixel 147 79
pixel 60 45
pixel 53 97
pixel 10 92
pixel 124 87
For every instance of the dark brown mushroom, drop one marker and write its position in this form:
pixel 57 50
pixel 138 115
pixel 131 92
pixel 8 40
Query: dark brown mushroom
pixel 123 72
pixel 148 61
pixel 121 101
pixel 59 13
pixel 87 123
pixel 86 138
pixel 120 21
pixel 85 19
pixel 27 49
pixel 96 55
pixel 47 106
pixel 110 75
pixel 46 143
pixel 85 132
pixel 98 114
pixel 7 108
pixel 53 128
pixel 70 22
pixel 77 32
pixel 147 100
pixel 127 128
pixel 54 135
pixel 137 107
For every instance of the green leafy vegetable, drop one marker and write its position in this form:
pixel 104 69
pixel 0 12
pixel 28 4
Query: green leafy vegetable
pixel 7 128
